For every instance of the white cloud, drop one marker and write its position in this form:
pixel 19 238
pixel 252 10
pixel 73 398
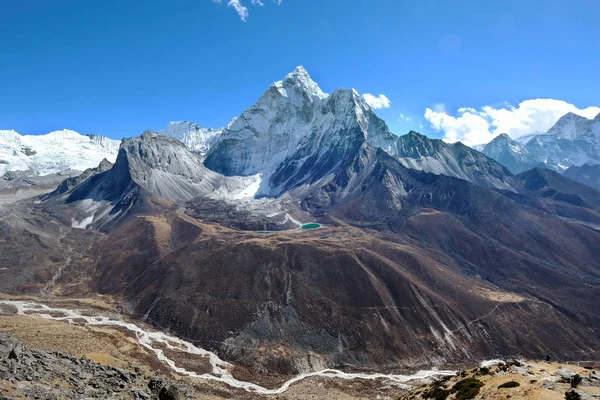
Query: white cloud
pixel 404 118
pixel 472 126
pixel 377 102
pixel 241 9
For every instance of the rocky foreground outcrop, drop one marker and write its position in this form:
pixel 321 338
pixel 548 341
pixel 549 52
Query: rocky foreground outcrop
pixel 33 374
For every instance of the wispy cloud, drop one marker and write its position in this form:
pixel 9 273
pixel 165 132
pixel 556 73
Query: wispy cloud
pixel 377 102
pixel 472 126
pixel 241 9
pixel 404 118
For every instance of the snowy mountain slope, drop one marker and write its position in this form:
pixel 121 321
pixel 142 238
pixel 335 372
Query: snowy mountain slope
pixel 195 137
pixel 573 141
pixel 510 153
pixel 344 124
pixel 266 133
pixel 54 152
pixel 525 138
pixel 570 126
pixel 295 134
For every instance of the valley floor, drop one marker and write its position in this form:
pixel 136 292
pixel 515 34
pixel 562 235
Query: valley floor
pixel 106 349
pixel 113 347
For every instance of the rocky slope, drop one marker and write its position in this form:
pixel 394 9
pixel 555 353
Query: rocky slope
pixel 32 374
pixel 457 160
pixel 299 305
pixel 549 184
pixel 588 174
pixel 149 165
pixel 74 181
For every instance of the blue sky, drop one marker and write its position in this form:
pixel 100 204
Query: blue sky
pixel 118 67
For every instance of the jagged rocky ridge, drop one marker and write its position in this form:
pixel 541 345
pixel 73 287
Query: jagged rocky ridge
pixel 146 166
pixel 74 181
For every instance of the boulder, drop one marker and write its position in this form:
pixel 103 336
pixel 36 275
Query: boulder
pixel 576 394
pixel 565 373
pixel 10 348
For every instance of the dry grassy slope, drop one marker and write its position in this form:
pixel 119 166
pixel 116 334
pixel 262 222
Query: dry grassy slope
pixel 345 296
pixel 537 381
pixel 35 249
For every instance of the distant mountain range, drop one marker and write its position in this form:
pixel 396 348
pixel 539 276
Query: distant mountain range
pixel 573 141
pixel 293 128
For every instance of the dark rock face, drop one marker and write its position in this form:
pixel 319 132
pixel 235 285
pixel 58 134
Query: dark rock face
pixel 37 371
pixel 72 182
pixel 541 182
pixel 456 160
pixel 588 174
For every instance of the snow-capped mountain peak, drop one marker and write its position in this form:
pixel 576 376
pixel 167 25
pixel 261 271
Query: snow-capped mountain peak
pixel 300 83
pixel 570 126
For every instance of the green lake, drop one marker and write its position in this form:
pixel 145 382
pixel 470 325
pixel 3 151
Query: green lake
pixel 310 226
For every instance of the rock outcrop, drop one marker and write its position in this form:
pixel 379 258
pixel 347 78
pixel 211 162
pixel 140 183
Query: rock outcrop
pixel 26 373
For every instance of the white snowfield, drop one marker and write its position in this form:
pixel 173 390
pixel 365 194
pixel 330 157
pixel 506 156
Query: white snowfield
pixel 54 152
pixel 220 369
pixel 196 138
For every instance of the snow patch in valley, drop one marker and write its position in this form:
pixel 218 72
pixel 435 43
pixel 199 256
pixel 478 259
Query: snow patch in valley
pixel 84 223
